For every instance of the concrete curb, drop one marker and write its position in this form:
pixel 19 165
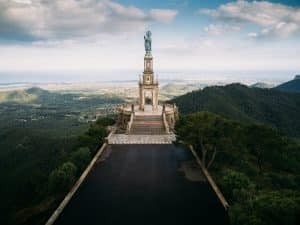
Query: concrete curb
pixel 210 180
pixel 68 197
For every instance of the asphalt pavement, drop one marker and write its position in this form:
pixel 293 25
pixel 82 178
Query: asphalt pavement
pixel 143 185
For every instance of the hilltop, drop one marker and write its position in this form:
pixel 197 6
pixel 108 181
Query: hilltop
pixel 261 85
pixel 236 101
pixel 290 86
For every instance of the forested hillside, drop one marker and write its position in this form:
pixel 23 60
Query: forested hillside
pixel 273 107
pixel 245 137
pixel 255 166
pixel 45 143
pixel 38 168
pixel 290 86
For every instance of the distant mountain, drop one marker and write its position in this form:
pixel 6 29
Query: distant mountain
pixel 24 95
pixel 236 101
pixel 290 86
pixel 36 95
pixel 19 96
pixel 37 91
pixel 261 85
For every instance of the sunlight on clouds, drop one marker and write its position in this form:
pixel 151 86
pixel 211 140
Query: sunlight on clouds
pixel 273 20
pixel 108 35
pixel 163 15
pixel 57 19
pixel 218 29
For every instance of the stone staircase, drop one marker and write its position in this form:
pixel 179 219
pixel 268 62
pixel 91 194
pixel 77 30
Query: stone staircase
pixel 141 139
pixel 147 125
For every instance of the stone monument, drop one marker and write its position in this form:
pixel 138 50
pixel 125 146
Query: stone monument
pixel 148 116
pixel 148 86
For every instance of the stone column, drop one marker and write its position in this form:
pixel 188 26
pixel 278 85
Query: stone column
pixel 142 98
pixel 156 97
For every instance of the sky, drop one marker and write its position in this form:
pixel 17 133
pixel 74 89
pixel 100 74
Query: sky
pixel 99 36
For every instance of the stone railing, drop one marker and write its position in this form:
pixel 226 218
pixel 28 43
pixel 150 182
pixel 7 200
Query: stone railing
pixel 129 124
pixel 210 179
pixel 171 106
pixel 166 125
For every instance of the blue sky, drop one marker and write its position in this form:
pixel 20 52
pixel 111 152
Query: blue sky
pixel 188 35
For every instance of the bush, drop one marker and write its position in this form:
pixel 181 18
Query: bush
pixel 277 208
pixel 233 182
pixel 80 158
pixel 61 179
pixel 282 181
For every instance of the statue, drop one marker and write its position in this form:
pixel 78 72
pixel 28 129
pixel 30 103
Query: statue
pixel 148 41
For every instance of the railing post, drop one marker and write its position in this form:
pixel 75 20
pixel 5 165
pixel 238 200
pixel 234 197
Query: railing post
pixel 166 125
pixel 129 124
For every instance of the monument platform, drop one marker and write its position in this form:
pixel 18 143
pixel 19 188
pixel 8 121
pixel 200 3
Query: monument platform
pixel 148 109
pixel 151 120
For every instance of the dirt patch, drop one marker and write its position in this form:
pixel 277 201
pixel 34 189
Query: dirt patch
pixel 105 154
pixel 192 171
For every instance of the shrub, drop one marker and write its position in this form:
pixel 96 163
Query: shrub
pixel 232 182
pixel 61 179
pixel 80 158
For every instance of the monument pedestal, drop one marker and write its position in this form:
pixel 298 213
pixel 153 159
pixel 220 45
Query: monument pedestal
pixel 148 117
pixel 148 86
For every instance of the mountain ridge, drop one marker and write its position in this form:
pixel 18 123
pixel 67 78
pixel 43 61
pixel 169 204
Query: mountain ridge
pixel 290 86
pixel 236 101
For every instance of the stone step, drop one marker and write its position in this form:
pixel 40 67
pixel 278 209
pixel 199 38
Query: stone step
pixel 141 139
pixel 148 125
pixel 148 131
pixel 144 127
pixel 147 118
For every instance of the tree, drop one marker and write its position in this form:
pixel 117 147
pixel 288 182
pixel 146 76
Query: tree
pixel 61 179
pixel 81 157
pixel 232 184
pixel 265 143
pixel 207 133
pixel 277 208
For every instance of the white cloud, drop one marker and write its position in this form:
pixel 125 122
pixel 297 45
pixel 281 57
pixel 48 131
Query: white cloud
pixel 218 29
pixel 274 20
pixel 62 19
pixel 252 35
pixel 163 15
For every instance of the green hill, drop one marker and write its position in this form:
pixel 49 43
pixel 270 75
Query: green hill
pixel 261 85
pixel 290 86
pixel 19 96
pixel 278 109
pixel 255 167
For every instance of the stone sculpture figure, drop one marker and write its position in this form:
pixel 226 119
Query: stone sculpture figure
pixel 148 42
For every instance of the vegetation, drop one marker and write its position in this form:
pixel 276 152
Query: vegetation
pixel 256 167
pixel 44 147
pixel 278 109
pixel 290 86
pixel 38 170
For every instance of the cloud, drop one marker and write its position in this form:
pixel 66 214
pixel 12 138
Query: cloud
pixel 28 20
pixel 218 29
pixel 273 20
pixel 163 15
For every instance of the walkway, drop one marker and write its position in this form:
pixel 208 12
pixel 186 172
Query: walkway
pixel 144 185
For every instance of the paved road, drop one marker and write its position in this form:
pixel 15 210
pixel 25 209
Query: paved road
pixel 141 185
